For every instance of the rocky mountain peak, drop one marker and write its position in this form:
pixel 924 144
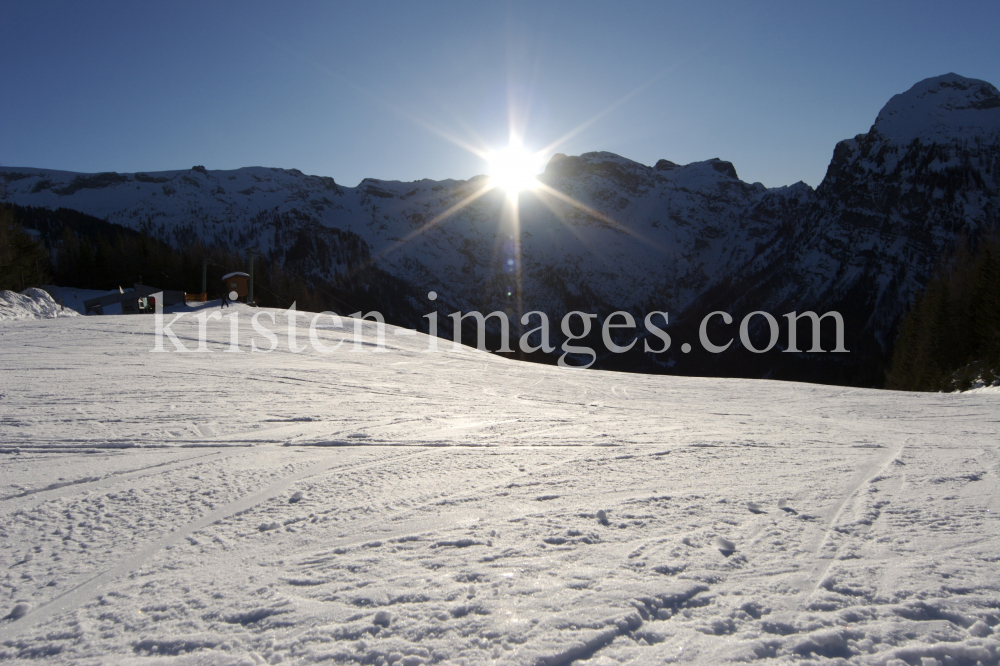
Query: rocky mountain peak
pixel 610 233
pixel 724 167
pixel 941 108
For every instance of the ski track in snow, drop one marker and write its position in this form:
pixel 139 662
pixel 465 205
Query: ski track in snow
pixel 84 591
pixel 407 508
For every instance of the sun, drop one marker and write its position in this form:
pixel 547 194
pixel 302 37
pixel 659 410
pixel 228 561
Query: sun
pixel 513 169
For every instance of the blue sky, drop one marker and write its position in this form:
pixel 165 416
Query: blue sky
pixel 373 89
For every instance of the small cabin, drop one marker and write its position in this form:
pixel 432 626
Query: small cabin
pixel 238 282
pixel 138 300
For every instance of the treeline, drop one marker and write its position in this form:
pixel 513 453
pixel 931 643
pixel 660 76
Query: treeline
pixel 951 336
pixel 82 251
pixel 23 260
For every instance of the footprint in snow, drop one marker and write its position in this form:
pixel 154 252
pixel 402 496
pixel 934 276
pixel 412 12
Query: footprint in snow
pixel 755 508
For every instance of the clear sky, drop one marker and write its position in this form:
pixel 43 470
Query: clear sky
pixel 370 89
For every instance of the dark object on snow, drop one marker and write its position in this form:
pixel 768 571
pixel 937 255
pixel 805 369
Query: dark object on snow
pixel 18 611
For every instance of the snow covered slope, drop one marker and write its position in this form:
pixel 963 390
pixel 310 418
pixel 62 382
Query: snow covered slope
pixel 688 239
pixel 408 508
pixel 684 224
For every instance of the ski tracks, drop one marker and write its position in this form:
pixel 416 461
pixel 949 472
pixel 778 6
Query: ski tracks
pixel 822 548
pixel 27 499
pixel 88 589
pixel 402 525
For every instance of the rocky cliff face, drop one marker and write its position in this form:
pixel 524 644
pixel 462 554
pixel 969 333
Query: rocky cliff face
pixel 893 200
pixel 926 172
pixel 607 233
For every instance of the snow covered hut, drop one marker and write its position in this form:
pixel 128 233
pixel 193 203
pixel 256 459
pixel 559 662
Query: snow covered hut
pixel 238 282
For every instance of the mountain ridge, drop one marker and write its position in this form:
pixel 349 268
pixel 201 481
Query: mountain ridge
pixel 670 237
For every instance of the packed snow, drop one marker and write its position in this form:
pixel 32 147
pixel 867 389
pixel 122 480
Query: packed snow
pixel 459 508
pixel 31 303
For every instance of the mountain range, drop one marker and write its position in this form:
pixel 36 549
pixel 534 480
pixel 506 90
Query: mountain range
pixel 606 233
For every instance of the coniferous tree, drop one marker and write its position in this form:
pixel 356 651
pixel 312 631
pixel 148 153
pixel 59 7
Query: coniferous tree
pixel 951 335
pixel 23 260
pixel 94 254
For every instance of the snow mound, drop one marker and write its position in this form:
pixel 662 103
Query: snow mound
pixel 71 297
pixel 941 109
pixel 31 304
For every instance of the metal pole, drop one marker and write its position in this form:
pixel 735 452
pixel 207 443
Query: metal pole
pixel 250 297
pixel 204 277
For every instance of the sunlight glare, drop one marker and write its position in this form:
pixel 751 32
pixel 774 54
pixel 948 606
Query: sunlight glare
pixel 513 168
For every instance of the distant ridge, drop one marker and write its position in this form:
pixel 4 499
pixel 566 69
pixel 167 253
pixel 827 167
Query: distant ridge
pixel 687 239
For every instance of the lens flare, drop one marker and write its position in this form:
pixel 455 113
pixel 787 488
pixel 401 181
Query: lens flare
pixel 513 168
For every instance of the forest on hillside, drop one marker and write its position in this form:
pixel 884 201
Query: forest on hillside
pixel 69 248
pixel 950 338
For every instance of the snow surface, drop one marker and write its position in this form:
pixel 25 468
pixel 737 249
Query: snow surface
pixel 943 109
pixel 31 303
pixel 407 508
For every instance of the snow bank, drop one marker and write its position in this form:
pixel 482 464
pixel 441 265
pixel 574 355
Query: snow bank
pixel 71 297
pixel 31 304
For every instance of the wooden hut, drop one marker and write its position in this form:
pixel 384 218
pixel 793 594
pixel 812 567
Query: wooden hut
pixel 238 282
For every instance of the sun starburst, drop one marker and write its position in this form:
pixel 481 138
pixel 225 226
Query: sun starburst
pixel 513 169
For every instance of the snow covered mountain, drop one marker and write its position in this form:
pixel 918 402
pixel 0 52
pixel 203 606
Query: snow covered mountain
pixel 687 239
pixel 927 171
pixel 684 224
pixel 893 199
